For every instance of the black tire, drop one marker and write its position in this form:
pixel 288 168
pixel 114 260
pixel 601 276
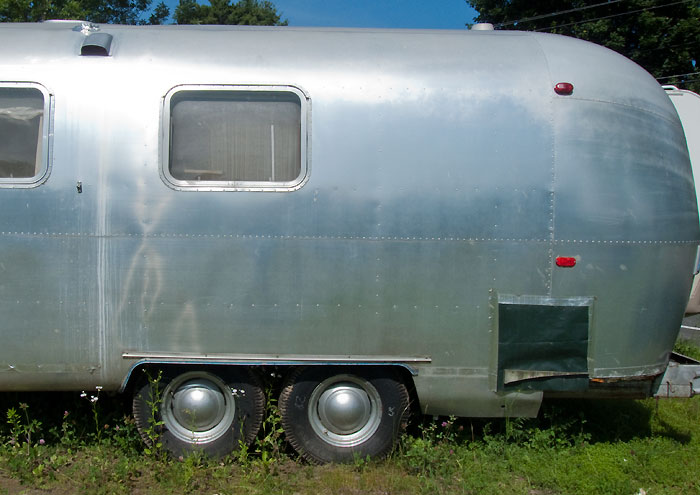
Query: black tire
pixel 230 407
pixel 321 426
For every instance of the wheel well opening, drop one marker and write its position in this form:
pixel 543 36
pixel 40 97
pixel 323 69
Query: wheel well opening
pixel 344 406
pixel 271 377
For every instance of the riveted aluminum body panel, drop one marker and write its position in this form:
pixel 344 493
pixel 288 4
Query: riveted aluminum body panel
pixel 443 170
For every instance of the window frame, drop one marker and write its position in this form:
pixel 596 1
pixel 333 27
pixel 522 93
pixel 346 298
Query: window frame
pixel 46 139
pixel 239 185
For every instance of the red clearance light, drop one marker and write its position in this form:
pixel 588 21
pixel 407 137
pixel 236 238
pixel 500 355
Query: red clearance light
pixel 564 88
pixel 566 262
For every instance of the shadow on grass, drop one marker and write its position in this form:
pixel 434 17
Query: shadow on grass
pixel 609 420
pixel 606 420
pixel 53 409
pixel 569 421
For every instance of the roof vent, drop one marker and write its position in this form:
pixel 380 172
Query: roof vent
pixel 85 27
pixel 482 26
pixel 96 44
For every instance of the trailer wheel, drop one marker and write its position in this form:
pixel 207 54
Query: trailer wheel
pixel 336 414
pixel 200 411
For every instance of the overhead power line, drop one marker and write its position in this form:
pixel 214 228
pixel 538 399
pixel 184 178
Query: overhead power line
pixel 695 73
pixel 614 15
pixel 553 14
pixel 684 82
pixel 675 45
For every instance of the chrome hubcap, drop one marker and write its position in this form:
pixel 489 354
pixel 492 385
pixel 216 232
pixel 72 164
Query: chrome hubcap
pixel 198 407
pixel 198 404
pixel 345 410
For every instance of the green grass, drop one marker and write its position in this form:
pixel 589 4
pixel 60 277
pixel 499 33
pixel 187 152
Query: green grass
pixel 60 443
pixel 576 447
pixel 687 348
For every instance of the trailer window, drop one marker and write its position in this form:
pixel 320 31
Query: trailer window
pixel 235 138
pixel 23 131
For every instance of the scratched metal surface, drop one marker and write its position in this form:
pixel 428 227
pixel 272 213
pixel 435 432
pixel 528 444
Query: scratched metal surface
pixel 442 169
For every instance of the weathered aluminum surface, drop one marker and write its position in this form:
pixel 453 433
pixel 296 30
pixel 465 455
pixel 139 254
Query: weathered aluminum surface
pixel 443 169
pixel 513 376
pixel 679 380
pixel 687 105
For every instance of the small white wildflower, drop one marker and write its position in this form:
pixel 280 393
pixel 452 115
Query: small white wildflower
pixel 642 491
pixel 83 394
pixel 98 387
pixel 93 398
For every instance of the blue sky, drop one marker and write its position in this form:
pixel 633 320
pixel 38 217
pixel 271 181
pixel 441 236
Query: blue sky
pixel 428 14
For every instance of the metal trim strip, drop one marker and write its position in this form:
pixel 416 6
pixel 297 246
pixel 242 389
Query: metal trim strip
pixel 274 358
pixel 289 360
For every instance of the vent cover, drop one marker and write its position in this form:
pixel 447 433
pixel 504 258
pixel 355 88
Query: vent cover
pixel 96 44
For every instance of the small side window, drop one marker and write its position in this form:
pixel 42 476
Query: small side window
pixel 235 138
pixel 24 132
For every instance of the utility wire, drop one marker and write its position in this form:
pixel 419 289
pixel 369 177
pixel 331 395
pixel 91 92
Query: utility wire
pixel 668 47
pixel 614 15
pixel 694 73
pixel 684 82
pixel 569 11
pixel 553 14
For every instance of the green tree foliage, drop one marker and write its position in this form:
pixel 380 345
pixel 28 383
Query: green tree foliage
pixel 245 12
pixel 663 36
pixel 101 11
pixel 159 15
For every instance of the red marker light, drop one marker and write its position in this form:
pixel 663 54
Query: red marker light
pixel 564 88
pixel 566 262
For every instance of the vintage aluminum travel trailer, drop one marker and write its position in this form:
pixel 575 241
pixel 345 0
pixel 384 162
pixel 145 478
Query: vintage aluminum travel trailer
pixel 458 222
pixel 687 105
